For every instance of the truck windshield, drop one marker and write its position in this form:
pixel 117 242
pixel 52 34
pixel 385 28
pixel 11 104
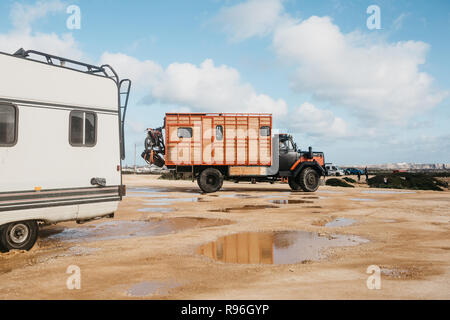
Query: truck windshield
pixel 286 145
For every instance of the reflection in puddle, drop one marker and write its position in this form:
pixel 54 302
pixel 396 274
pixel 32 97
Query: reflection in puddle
pixel 362 199
pixel 245 208
pixel 287 247
pixel 289 201
pixel 340 222
pixel 150 288
pixel 114 230
pixel 388 192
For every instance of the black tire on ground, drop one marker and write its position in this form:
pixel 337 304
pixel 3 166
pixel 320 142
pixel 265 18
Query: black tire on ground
pixel 19 235
pixel 210 180
pixel 2 250
pixel 309 180
pixel 294 183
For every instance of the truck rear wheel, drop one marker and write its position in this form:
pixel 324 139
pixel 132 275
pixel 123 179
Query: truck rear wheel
pixel 19 235
pixel 309 180
pixel 210 180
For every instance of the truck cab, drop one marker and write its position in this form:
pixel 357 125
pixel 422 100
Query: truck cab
pixel 303 169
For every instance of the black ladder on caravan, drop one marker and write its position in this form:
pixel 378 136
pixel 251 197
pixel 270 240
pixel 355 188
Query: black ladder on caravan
pixel 124 95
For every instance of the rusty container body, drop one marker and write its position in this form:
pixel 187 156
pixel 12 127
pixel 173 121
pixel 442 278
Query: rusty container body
pixel 241 141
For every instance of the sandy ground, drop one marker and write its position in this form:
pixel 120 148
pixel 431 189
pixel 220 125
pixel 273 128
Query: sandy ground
pixel 409 239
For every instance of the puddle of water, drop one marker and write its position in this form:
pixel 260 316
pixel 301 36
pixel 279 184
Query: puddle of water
pixel 144 195
pixel 113 230
pixel 287 247
pixel 394 273
pixel 246 196
pixel 241 196
pixel 289 201
pixel 245 208
pixel 145 192
pixel 340 222
pixel 330 192
pixel 150 288
pixel 82 251
pixel 170 200
pixel 161 210
pixel 363 200
pixel 388 192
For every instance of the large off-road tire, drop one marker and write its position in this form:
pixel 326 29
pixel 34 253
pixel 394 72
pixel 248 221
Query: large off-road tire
pixel 210 180
pixel 309 180
pixel 294 183
pixel 19 235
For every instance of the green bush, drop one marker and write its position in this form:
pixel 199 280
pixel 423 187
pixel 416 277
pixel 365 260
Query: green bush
pixel 338 183
pixel 412 181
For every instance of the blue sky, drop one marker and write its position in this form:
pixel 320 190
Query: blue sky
pixel 362 96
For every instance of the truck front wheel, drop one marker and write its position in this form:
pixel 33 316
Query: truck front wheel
pixel 294 183
pixel 19 235
pixel 210 180
pixel 309 180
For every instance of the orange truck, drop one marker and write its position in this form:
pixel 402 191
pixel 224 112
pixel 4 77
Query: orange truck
pixel 239 147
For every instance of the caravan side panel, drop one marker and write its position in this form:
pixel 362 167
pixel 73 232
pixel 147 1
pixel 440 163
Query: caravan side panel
pixel 44 176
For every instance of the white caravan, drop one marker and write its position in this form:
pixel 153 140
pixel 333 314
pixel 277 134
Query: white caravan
pixel 61 143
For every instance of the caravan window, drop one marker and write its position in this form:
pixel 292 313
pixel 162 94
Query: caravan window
pixel 8 125
pixel 83 129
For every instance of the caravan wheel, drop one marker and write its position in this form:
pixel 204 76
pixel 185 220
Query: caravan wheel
pixel 19 235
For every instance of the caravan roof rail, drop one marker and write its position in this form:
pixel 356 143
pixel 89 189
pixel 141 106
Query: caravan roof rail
pixel 51 59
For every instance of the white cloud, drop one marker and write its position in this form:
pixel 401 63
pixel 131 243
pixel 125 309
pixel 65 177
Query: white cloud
pixel 376 80
pixel 22 36
pixel 212 88
pixel 144 74
pixel 373 78
pixel 203 88
pixel 64 45
pixel 398 22
pixel 23 15
pixel 319 123
pixel 251 18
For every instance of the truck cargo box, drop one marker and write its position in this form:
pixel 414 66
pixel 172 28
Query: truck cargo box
pixel 240 140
